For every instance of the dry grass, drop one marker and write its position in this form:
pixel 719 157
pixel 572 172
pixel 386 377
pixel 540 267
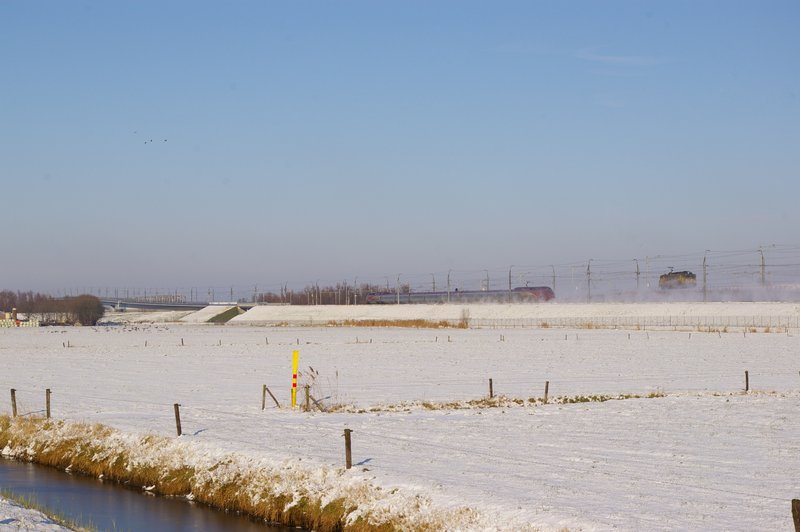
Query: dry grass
pixel 601 398
pixel 502 401
pixel 226 316
pixel 412 324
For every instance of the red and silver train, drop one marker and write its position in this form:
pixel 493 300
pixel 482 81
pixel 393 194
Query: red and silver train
pixel 522 294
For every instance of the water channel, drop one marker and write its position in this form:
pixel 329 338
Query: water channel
pixel 109 506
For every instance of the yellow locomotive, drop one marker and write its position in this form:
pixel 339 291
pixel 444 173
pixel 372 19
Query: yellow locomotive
pixel 684 279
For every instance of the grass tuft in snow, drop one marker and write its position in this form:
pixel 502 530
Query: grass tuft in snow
pixel 601 398
pixel 501 401
pixel 412 324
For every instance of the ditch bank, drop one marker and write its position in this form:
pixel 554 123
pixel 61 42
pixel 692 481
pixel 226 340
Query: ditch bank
pixel 79 502
pixel 282 492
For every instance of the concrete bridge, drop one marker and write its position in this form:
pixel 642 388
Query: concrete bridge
pixel 124 304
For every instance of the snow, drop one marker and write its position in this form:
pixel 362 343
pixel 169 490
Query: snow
pixel 14 516
pixel 552 313
pixel 134 316
pixel 705 455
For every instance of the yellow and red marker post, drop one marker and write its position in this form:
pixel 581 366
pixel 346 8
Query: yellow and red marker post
pixel 295 361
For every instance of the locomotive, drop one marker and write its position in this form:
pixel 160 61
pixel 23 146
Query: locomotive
pixel 672 279
pixel 522 294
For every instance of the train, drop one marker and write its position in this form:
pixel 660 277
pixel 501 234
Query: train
pixel 683 279
pixel 521 294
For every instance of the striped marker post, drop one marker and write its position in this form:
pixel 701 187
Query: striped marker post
pixel 295 361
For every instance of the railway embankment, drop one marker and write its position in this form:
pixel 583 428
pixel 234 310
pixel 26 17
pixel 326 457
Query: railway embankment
pixel 671 315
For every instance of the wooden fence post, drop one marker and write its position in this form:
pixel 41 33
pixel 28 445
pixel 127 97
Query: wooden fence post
pixel 796 514
pixel 13 402
pixel 348 454
pixel 308 398
pixel 47 401
pixel 264 397
pixel 273 397
pixel 747 381
pixel 178 418
pixel 491 389
pixel 546 390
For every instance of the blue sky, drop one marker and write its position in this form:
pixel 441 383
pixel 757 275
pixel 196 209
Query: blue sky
pixel 328 140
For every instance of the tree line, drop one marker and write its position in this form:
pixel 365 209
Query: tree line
pixel 338 294
pixel 75 310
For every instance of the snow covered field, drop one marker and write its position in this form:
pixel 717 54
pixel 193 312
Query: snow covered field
pixel 704 456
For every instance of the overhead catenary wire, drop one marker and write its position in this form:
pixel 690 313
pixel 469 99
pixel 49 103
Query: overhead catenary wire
pixel 614 273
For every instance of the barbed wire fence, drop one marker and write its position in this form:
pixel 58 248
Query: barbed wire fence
pixel 79 407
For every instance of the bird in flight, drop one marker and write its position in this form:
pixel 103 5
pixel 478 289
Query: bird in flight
pixel 150 140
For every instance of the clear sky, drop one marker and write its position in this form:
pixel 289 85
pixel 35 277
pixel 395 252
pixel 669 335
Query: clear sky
pixel 296 141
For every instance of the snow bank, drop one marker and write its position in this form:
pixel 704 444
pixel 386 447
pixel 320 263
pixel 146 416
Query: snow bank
pixel 144 316
pixel 551 313
pixel 207 314
pixel 12 515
